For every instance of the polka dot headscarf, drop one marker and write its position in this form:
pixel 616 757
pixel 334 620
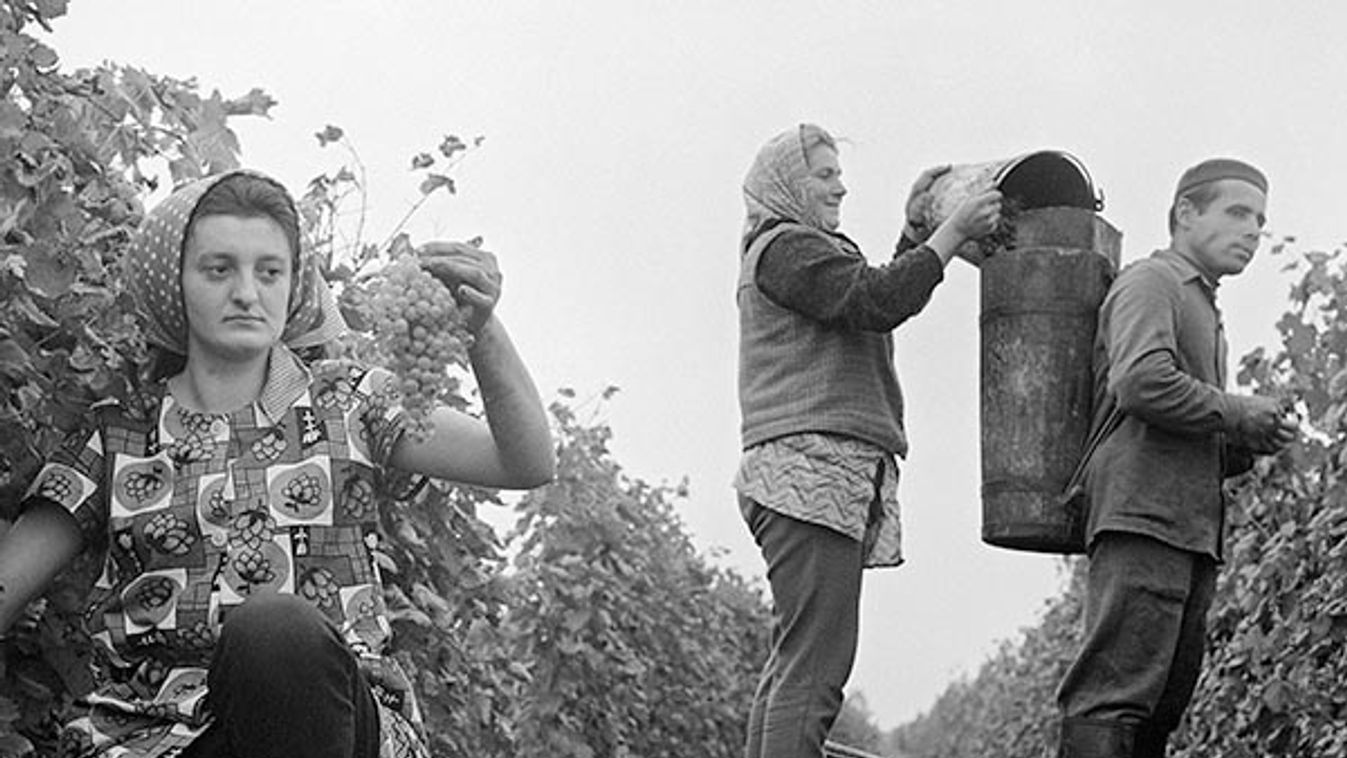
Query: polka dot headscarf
pixel 154 276
pixel 774 187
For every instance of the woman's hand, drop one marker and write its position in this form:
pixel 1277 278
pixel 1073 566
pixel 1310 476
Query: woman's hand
pixel 977 216
pixel 471 274
pixel 918 206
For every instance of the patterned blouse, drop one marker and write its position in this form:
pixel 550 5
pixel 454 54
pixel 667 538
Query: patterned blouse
pixel 199 511
pixel 842 483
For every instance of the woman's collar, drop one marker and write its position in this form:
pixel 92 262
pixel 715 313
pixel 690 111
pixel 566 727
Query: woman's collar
pixel 287 380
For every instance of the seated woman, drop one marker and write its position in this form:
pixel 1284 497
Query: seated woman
pixel 239 612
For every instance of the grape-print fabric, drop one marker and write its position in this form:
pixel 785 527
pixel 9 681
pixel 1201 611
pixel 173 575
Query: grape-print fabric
pixel 200 511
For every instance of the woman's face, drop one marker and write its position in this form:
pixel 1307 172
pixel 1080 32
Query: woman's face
pixel 236 274
pixel 823 188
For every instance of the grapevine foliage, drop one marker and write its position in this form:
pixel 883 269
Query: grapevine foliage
pixel 636 646
pixel 855 726
pixel 1009 707
pixel 1276 682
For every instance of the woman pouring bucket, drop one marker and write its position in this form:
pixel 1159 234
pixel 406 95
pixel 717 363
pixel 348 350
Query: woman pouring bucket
pixel 822 414
pixel 822 411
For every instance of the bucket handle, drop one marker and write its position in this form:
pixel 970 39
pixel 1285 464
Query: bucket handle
pixel 1096 192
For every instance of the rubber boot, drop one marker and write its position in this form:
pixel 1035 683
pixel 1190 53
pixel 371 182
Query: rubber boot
pixel 1150 743
pixel 1096 738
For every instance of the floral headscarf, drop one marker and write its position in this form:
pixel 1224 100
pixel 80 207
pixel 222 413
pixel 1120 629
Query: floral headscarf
pixel 774 187
pixel 154 276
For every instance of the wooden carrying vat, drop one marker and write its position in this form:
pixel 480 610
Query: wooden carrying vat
pixel 1039 305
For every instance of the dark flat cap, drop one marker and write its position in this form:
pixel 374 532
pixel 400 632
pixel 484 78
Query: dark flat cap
pixel 1216 169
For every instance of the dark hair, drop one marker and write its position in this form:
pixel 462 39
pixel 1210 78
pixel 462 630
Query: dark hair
pixel 1199 197
pixel 250 196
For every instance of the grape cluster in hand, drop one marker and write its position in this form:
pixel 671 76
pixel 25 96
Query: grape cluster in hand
pixel 419 333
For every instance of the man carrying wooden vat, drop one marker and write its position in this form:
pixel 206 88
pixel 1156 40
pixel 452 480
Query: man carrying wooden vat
pixel 1170 435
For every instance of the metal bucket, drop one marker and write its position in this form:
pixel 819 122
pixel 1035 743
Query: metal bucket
pixel 1040 179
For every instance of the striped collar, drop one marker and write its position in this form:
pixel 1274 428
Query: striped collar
pixel 287 381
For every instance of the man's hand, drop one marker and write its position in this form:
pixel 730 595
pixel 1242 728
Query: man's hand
pixel 1267 425
pixel 471 274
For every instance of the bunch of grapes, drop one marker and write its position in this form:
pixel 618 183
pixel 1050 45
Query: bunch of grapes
pixel 1002 237
pixel 419 334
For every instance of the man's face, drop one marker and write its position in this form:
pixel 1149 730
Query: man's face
pixel 1223 238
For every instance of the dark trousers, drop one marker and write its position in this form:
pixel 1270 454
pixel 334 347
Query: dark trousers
pixel 1145 627
pixel 283 684
pixel 815 576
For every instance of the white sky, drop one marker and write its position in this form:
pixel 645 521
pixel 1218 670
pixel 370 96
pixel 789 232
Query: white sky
pixel 617 135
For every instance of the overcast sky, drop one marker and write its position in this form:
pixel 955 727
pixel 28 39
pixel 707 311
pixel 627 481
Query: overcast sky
pixel 617 135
